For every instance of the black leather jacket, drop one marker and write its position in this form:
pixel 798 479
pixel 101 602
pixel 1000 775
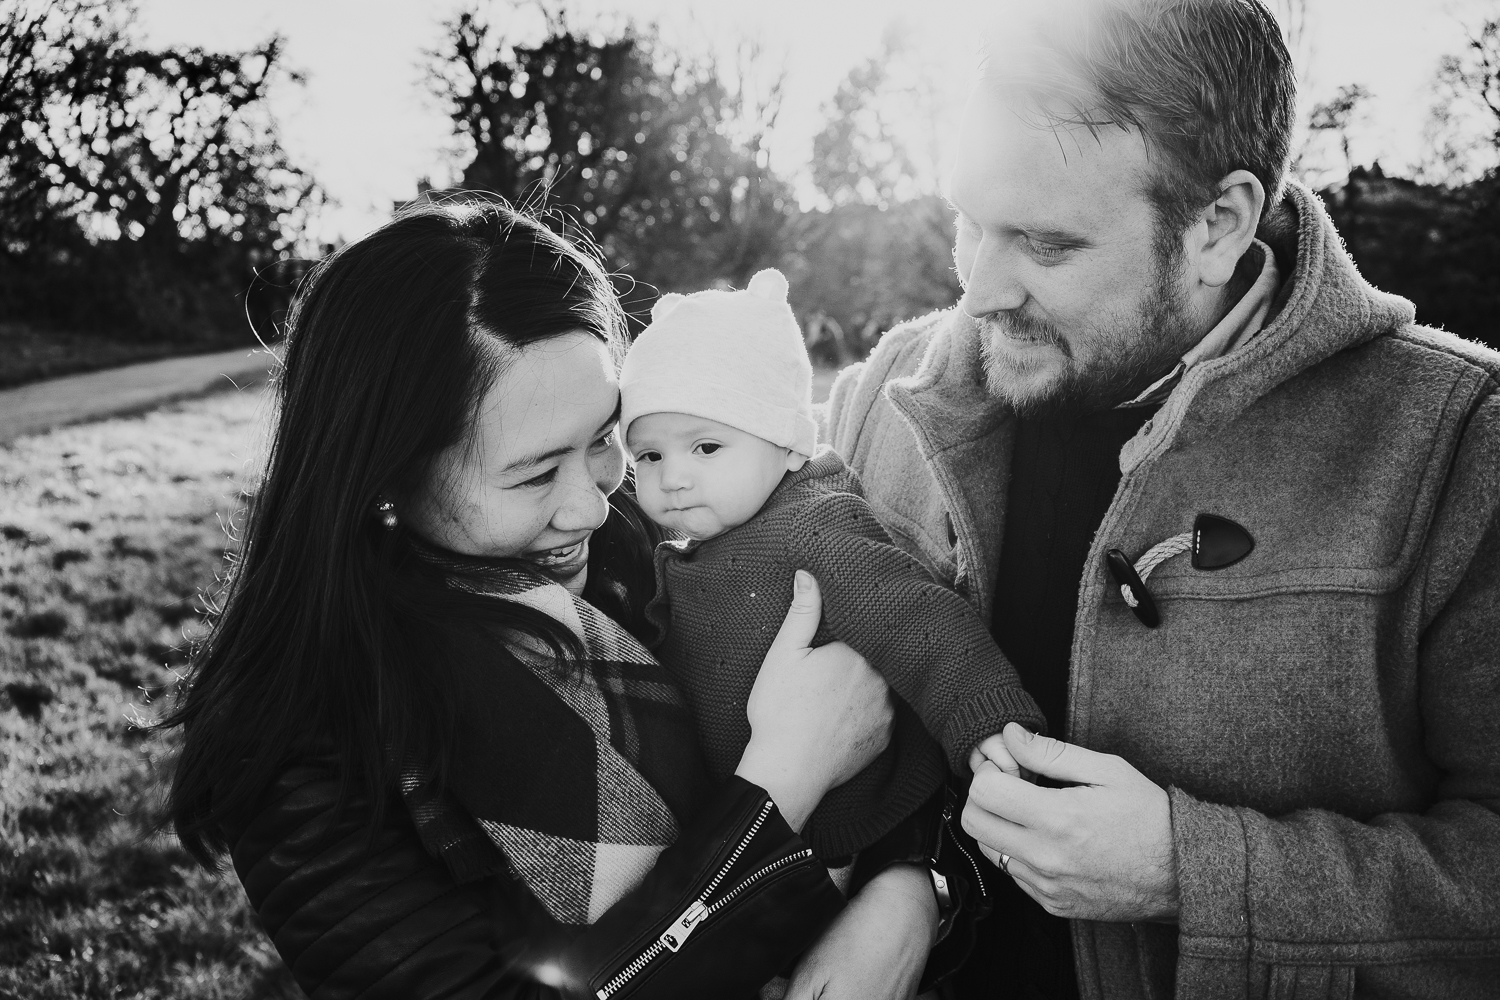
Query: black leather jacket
pixel 727 907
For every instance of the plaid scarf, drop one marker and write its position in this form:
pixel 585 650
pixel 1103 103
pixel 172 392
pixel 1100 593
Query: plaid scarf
pixel 583 775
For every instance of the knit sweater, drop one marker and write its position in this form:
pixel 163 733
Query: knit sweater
pixel 721 601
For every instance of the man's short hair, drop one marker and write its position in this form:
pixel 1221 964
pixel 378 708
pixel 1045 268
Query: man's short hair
pixel 1209 85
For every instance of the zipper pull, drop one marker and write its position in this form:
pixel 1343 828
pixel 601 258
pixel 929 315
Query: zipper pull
pixel 678 932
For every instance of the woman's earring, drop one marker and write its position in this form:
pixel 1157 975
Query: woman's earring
pixel 386 511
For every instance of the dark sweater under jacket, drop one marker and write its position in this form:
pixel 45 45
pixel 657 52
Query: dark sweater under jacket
pixel 720 603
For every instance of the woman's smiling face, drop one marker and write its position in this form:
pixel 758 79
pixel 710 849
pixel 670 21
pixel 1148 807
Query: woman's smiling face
pixel 533 479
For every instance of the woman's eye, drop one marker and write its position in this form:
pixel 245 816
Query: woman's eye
pixel 607 440
pixel 708 448
pixel 541 479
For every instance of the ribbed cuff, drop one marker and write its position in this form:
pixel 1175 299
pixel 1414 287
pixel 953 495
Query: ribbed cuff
pixel 982 717
pixel 846 823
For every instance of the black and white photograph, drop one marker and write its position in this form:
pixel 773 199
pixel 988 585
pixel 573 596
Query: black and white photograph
pixel 750 499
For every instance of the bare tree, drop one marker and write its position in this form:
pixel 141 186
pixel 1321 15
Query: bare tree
pixel 1293 16
pixel 660 155
pixel 756 82
pixel 1331 120
pixel 1463 130
pixel 1475 75
pixel 882 137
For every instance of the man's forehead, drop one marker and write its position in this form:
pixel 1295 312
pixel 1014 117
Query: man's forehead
pixel 1020 165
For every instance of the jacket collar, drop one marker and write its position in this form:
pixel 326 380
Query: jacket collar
pixel 956 422
pixel 1324 307
pixel 1243 321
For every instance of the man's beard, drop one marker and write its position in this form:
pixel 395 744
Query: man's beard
pixel 1129 352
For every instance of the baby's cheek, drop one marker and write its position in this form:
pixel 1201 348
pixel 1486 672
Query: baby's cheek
pixel 649 495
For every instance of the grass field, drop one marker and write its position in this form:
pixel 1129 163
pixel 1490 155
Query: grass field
pixel 108 534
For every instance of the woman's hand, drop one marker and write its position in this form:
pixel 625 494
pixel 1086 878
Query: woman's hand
pixel 878 945
pixel 817 716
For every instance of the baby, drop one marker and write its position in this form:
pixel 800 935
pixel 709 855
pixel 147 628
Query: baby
pixel 716 408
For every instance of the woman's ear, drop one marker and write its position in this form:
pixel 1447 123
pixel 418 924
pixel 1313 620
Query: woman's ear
pixel 1227 227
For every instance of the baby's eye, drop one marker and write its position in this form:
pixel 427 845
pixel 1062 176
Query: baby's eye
pixel 707 448
pixel 648 456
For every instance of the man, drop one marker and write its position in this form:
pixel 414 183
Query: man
pixel 1233 517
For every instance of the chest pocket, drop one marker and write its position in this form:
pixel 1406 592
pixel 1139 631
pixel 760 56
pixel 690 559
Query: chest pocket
pixel 1337 489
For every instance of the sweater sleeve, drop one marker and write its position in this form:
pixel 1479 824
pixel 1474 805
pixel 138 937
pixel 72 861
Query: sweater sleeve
pixel 1314 894
pixel 923 638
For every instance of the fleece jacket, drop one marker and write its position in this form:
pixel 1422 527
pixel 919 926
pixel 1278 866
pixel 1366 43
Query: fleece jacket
pixel 1325 713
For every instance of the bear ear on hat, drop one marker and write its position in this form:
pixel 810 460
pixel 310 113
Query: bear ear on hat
pixel 666 304
pixel 768 284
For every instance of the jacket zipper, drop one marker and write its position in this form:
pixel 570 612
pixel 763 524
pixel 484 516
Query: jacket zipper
pixel 984 892
pixel 700 909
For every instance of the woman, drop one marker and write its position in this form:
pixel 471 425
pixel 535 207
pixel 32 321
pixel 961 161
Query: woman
pixel 422 728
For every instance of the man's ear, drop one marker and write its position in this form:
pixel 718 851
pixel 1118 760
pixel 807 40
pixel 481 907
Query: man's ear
pixel 794 461
pixel 1226 228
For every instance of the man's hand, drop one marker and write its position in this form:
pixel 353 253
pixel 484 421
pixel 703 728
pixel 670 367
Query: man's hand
pixel 1098 850
pixel 877 947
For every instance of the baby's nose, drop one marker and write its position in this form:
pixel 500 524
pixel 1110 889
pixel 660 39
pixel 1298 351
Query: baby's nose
pixel 674 477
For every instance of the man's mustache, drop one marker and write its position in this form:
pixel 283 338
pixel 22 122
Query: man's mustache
pixel 1019 326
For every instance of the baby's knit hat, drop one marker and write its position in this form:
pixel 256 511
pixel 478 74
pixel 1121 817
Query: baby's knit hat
pixel 734 357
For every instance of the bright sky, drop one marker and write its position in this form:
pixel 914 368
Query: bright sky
pixel 366 127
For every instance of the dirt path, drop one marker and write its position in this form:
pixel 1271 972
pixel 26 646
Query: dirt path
pixel 30 409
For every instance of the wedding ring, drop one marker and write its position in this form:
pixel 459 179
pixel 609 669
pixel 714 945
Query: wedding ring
pixel 1005 863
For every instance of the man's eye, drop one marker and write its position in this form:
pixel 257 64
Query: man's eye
pixel 708 448
pixel 541 479
pixel 1047 252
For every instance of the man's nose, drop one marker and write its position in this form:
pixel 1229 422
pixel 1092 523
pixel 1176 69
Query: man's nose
pixel 994 284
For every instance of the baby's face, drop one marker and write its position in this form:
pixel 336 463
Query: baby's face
pixel 702 477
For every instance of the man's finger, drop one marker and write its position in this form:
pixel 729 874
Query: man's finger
pixel 998 833
pixel 1012 797
pixel 1057 760
pixel 1022 875
pixel 802 618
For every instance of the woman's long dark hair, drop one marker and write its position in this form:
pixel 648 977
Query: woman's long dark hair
pixel 332 636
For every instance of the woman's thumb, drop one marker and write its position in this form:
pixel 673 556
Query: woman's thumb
pixel 803 616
